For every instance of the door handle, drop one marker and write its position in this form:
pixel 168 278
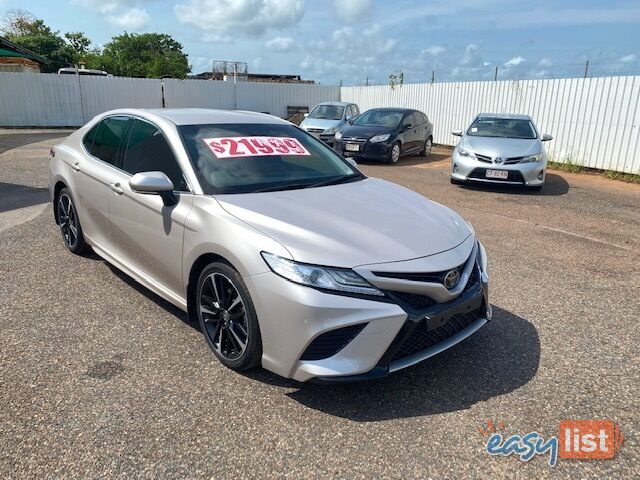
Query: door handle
pixel 116 188
pixel 76 166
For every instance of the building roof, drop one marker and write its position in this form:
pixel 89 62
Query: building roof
pixel 10 49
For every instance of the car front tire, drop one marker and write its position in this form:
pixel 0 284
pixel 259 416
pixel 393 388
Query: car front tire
pixel 394 154
pixel 69 223
pixel 227 317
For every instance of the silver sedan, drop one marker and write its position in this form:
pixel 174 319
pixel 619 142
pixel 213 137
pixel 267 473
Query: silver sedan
pixel 500 149
pixel 283 251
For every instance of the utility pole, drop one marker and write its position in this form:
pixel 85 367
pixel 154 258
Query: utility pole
pixel 495 75
pixel 367 82
pixel 433 76
pixel 586 69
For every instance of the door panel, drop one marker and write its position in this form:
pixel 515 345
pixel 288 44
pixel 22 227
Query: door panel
pixel 147 234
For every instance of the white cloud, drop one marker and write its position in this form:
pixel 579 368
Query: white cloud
pixel 220 19
pixel 280 44
pixel 433 50
pixel 132 19
pixel 471 57
pixel 353 10
pixel 102 6
pixel 515 61
pixel 545 62
pixel 628 58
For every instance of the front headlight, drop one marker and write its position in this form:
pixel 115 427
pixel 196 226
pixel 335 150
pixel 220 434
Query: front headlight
pixel 466 153
pixel 338 136
pixel 331 130
pixel 532 158
pixel 380 138
pixel 325 278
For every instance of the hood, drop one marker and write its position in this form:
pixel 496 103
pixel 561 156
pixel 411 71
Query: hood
pixel 364 131
pixel 319 123
pixel 504 147
pixel 348 225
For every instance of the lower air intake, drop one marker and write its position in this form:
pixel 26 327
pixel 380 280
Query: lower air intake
pixel 330 343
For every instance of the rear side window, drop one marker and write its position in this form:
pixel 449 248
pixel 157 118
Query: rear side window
pixel 108 138
pixel 149 151
pixel 90 137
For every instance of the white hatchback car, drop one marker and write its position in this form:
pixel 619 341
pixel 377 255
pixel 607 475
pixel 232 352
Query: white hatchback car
pixel 280 248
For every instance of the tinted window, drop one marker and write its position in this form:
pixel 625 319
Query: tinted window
pixel 149 151
pixel 409 121
pixel 89 137
pixel 108 137
pixel 356 110
pixel 327 112
pixel 268 164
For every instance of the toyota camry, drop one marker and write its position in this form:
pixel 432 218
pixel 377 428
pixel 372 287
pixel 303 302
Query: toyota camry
pixel 284 252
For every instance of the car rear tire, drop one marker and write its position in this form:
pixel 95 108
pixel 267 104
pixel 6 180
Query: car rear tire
pixel 227 317
pixel 394 154
pixel 69 223
pixel 428 145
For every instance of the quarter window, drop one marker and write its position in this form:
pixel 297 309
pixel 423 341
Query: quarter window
pixel 108 138
pixel 149 151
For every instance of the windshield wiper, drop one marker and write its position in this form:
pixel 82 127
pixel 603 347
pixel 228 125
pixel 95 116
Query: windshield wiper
pixel 335 180
pixel 275 188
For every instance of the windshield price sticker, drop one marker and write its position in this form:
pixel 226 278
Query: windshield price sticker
pixel 234 147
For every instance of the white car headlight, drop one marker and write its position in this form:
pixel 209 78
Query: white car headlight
pixel 532 158
pixel 380 138
pixel 466 153
pixel 338 136
pixel 331 130
pixel 326 278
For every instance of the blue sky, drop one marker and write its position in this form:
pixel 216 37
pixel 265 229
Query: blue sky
pixel 350 40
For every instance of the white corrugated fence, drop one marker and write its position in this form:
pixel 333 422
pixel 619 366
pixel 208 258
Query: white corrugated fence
pixel 595 122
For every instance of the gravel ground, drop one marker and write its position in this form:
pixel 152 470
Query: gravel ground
pixel 99 377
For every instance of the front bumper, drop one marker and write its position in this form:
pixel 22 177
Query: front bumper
pixel 390 332
pixel 473 170
pixel 367 151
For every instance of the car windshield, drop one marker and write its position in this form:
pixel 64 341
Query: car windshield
pixel 249 158
pixel 502 127
pixel 327 112
pixel 380 118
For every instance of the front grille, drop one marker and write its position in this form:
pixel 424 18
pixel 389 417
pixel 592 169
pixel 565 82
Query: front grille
pixel 315 130
pixel 354 139
pixel 480 174
pixel 421 339
pixel 483 158
pixel 428 277
pixel 329 343
pixel 513 160
pixel 507 161
pixel 414 300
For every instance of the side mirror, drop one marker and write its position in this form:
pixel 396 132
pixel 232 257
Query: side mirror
pixel 154 183
pixel 306 115
pixel 349 118
pixel 407 127
pixel 457 133
pixel 546 137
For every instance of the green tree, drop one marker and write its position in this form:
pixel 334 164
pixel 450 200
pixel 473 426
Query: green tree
pixel 78 43
pixel 149 55
pixel 24 29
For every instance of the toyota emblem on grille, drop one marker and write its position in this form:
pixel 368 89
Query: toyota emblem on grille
pixel 451 279
pixel 498 160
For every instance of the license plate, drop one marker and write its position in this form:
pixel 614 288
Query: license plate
pixel 502 174
pixel 352 147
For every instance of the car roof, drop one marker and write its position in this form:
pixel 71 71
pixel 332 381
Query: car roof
pixel 514 116
pixel 200 116
pixel 394 109
pixel 341 104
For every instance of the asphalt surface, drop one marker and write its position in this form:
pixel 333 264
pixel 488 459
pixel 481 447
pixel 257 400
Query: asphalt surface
pixel 99 377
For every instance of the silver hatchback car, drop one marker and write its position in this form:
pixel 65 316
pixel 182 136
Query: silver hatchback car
pixel 500 149
pixel 286 254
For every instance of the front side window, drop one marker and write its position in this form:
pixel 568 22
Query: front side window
pixel 327 112
pixel 110 133
pixel 149 151
pixel 502 128
pixel 248 158
pixel 380 118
